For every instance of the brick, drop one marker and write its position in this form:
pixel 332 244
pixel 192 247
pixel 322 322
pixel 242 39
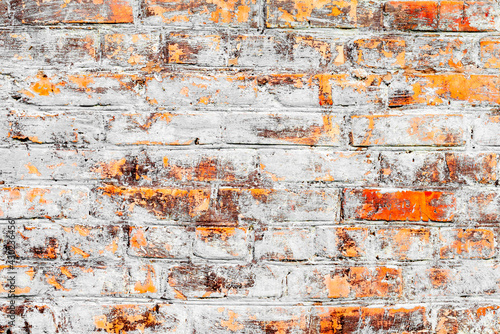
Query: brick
pixel 481 206
pixel 435 53
pixel 78 242
pixel 53 12
pixel 307 165
pixel 46 202
pixel 459 318
pixel 425 168
pixel 4 8
pixel 163 128
pixel 283 129
pixel 408 130
pixel 69 279
pixel 490 52
pixel 290 50
pixel 379 52
pixel 438 89
pixel 344 282
pixel 164 242
pixel 407 319
pixel 467 16
pixel 40 317
pixel 202 49
pixel 131 317
pixel 372 204
pixel 342 242
pixel 331 14
pixel 222 242
pixel 48 88
pixel 467 243
pixel 464 279
pixel 241 13
pixel 142 51
pixel 200 281
pixel 63 128
pixel 404 243
pixel 485 129
pixel 284 244
pixel 280 90
pixel 253 319
pixel 411 15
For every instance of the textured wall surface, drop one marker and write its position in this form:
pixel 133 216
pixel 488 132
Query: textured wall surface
pixel 250 166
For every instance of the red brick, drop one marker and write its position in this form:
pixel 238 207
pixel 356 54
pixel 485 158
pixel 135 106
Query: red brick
pixel 467 16
pixel 241 13
pixel 372 204
pixel 408 130
pixel 345 282
pixel 411 15
pixel 58 11
pixel 222 242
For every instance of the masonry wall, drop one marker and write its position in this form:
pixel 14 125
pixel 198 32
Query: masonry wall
pixel 251 166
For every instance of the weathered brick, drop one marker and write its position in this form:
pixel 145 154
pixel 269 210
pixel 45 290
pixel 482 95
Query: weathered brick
pixel 58 11
pixel 490 52
pixel 439 53
pixel 373 204
pixel 284 244
pixel 39 317
pixel 142 51
pixel 78 242
pixel 481 206
pixel 408 130
pixel 455 319
pixel 195 281
pixel 44 202
pixel 425 168
pixel 241 13
pixel 165 242
pixel 351 319
pixel 330 13
pixel 411 15
pixel 163 128
pixel 379 52
pixel 131 318
pixel 198 48
pixel 463 279
pixel 344 282
pixel 467 16
pixel 486 129
pixel 69 279
pixel 445 88
pixel 222 242
pixel 308 165
pixel 283 129
pixel 467 243
pixel 342 242
pixel 404 243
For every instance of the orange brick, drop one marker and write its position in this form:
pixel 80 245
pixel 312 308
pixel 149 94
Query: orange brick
pixel 371 204
pixel 411 15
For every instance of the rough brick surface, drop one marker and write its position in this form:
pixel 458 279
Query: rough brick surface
pixel 250 166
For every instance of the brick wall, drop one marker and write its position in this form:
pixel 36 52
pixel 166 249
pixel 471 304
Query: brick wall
pixel 251 166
